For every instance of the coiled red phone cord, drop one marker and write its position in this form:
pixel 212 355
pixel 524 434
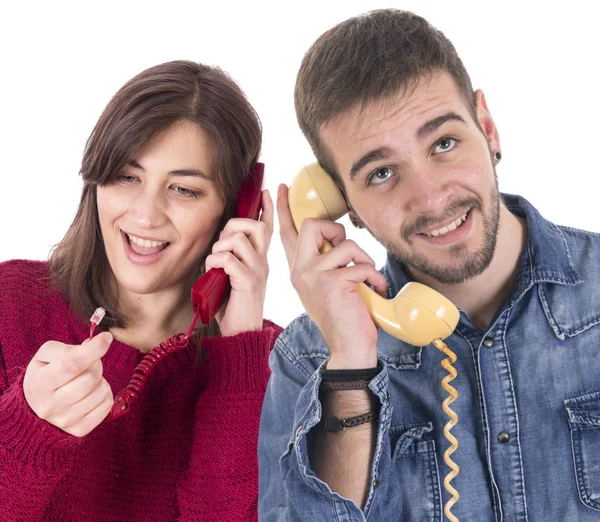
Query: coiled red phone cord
pixel 129 394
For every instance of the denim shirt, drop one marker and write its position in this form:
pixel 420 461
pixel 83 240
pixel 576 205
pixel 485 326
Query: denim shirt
pixel 528 406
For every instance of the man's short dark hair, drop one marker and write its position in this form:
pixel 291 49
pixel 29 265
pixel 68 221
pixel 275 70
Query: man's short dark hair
pixel 368 58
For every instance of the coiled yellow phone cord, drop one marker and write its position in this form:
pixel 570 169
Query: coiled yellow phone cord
pixel 447 365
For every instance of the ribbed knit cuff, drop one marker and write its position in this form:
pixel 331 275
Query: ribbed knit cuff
pixel 32 441
pixel 241 362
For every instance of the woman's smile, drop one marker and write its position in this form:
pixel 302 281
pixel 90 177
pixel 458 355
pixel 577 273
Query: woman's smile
pixel 143 251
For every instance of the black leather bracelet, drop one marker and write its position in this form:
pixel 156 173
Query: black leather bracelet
pixel 332 380
pixel 334 425
pixel 350 375
pixel 344 385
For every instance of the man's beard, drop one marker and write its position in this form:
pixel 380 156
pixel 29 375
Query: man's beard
pixel 464 264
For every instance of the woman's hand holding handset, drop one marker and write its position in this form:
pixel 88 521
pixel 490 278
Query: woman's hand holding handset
pixel 241 252
pixel 63 384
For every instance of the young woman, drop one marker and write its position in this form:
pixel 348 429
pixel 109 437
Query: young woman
pixel 161 172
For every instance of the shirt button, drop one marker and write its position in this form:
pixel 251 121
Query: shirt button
pixel 488 342
pixel 298 432
pixel 387 396
pixel 376 484
pixel 503 437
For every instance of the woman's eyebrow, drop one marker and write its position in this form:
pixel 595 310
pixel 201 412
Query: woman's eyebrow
pixel 190 172
pixel 177 172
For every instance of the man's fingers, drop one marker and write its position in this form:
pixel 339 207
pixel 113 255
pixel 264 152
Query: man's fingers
pixel 364 273
pixel 313 235
pixel 342 255
pixel 380 285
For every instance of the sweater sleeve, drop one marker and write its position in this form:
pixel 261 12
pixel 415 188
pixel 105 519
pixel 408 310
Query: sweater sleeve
pixel 221 482
pixel 34 455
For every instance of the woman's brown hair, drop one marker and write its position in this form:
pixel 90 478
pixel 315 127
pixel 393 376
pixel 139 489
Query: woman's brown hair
pixel 140 111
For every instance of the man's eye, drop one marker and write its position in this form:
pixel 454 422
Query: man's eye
pixel 380 176
pixel 444 145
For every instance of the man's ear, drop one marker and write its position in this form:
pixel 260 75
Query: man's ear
pixel 355 220
pixel 486 122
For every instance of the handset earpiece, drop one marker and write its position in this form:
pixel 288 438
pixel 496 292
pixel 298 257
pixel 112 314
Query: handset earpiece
pixel 313 194
pixel 418 314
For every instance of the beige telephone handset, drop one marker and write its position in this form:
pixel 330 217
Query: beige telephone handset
pixel 418 315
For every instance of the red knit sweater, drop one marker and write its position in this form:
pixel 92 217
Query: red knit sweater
pixel 186 450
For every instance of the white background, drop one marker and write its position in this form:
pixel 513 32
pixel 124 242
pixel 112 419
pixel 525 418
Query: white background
pixel 61 63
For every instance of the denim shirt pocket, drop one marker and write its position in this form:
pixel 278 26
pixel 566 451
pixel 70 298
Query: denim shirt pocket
pixel 415 471
pixel 584 423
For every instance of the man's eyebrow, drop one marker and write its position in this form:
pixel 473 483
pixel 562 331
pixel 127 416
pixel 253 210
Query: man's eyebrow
pixel 432 125
pixel 177 172
pixel 370 157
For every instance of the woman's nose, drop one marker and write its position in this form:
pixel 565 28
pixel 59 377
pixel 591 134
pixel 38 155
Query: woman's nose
pixel 147 210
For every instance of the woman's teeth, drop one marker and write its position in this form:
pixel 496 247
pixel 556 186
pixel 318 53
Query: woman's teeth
pixel 145 242
pixel 449 228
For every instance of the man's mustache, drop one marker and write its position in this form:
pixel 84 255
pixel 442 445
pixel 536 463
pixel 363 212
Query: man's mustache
pixel 455 209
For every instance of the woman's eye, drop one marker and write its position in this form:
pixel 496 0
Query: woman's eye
pixel 380 176
pixel 126 178
pixel 444 145
pixel 185 192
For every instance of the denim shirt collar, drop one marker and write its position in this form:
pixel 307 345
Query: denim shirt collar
pixel 545 258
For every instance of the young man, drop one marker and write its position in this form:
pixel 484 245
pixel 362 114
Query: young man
pixel 390 113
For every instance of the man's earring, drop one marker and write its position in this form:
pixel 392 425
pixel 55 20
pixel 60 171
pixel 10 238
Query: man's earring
pixel 497 156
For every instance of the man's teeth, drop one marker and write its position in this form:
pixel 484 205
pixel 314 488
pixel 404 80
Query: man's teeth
pixel 449 228
pixel 145 242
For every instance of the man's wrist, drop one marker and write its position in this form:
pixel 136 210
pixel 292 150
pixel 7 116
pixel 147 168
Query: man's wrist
pixel 354 362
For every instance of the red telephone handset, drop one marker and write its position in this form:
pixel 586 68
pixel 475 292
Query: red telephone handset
pixel 209 291
pixel 207 297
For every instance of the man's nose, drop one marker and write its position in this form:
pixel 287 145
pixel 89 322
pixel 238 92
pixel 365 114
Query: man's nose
pixel 428 190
